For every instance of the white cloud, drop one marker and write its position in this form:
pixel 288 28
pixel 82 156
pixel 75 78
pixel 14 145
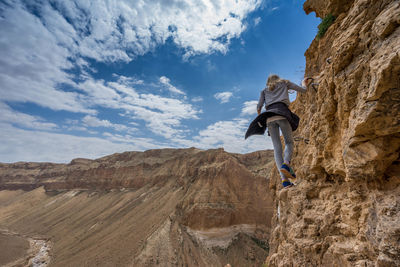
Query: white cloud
pixel 78 128
pixel 223 96
pixel 32 63
pixel 274 8
pixel 120 30
pixel 92 121
pixel 197 99
pixel 230 136
pixel 129 81
pixel 18 118
pixel 144 143
pixel 166 81
pixel 249 108
pixel 257 21
pixel 31 145
pixel 162 115
pixel 95 122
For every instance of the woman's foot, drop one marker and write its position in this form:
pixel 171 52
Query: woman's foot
pixel 287 171
pixel 286 183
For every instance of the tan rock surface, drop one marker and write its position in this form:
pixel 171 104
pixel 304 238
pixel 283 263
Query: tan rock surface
pixel 168 207
pixel 345 210
pixel 13 248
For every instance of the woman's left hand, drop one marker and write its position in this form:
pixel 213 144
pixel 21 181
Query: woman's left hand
pixel 306 82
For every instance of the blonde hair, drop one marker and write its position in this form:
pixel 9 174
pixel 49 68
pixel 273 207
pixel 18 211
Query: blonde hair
pixel 272 80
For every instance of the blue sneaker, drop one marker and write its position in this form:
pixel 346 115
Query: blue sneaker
pixel 287 171
pixel 286 183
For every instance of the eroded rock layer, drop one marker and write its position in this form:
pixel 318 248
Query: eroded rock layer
pixel 168 207
pixel 345 210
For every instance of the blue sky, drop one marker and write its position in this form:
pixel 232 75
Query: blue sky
pixel 86 79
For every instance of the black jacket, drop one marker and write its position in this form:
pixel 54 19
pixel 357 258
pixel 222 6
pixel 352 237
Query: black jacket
pixel 259 124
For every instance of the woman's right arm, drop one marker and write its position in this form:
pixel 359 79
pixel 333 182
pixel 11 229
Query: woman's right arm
pixel 294 86
pixel 260 102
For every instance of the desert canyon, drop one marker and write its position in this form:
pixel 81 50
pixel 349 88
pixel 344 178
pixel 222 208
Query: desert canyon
pixel 168 207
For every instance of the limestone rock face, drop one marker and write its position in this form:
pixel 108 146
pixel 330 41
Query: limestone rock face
pixel 185 207
pixel 323 8
pixel 345 209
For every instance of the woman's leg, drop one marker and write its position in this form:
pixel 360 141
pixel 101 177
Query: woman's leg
pixel 273 129
pixel 288 137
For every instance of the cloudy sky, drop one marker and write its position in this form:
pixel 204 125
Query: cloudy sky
pixel 83 78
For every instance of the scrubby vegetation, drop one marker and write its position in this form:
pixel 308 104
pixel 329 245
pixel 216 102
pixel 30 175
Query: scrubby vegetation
pixel 324 25
pixel 262 244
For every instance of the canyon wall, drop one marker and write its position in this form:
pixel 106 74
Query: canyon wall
pixel 167 207
pixel 345 208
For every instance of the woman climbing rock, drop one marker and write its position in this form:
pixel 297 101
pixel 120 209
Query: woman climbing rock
pixel 275 97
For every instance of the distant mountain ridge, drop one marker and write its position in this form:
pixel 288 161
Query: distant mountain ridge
pixel 120 170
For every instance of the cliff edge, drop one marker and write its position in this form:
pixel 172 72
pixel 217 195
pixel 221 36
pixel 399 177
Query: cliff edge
pixel 345 208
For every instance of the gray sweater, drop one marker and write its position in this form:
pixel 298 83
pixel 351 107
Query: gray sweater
pixel 279 94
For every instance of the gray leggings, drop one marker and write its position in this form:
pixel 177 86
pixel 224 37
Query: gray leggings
pixel 273 128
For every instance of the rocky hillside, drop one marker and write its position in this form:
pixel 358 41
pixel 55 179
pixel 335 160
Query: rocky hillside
pixel 168 207
pixel 345 210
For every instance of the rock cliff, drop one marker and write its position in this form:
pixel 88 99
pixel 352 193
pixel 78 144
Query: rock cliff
pixel 168 207
pixel 345 208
